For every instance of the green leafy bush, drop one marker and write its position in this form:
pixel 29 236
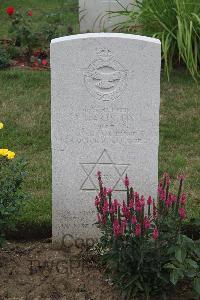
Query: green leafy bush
pixel 175 22
pixel 12 173
pixel 4 58
pixel 184 260
pixel 21 30
pixel 141 245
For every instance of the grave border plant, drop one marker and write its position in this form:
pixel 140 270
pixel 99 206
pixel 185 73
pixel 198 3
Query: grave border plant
pixel 21 29
pixel 12 174
pixel 142 247
pixel 26 45
pixel 29 44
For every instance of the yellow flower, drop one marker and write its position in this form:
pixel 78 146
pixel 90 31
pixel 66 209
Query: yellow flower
pixel 1 125
pixel 3 152
pixel 10 155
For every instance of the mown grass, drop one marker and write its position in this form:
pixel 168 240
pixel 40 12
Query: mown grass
pixel 179 134
pixel 25 110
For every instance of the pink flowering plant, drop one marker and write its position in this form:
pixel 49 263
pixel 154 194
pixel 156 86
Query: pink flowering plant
pixel 141 245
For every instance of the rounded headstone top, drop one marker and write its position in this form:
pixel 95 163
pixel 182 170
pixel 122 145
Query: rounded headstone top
pixel 105 35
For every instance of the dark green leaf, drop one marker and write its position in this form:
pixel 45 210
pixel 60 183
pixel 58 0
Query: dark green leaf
pixel 180 254
pixel 174 276
pixel 196 285
pixel 192 263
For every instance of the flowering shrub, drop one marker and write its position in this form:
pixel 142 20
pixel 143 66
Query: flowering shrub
pixel 12 173
pixel 25 36
pixel 141 244
pixel 22 30
pixel 40 57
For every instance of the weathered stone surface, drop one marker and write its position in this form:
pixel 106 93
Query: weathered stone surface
pixel 94 17
pixel 105 116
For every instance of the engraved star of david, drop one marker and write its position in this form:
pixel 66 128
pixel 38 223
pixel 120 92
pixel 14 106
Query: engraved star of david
pixel 112 173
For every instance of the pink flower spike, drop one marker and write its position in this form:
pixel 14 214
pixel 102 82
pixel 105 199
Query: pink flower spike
pixel 136 195
pixel 147 223
pixel 162 195
pixel 181 177
pixel 173 197
pixel 115 204
pixel 126 181
pixel 160 189
pixel 125 210
pixel 168 202
pixel 149 200
pixel 154 210
pixel 131 204
pixel 134 220
pixel 155 234
pixel 105 206
pixel 104 191
pixel 97 201
pixel 142 201
pixel 98 173
pixel 109 191
pixel 168 181
pixel 182 213
pixel 165 175
pixel 183 199
pixel 116 228
pixel 138 230
pixel 112 209
pixel 138 206
pixel 160 184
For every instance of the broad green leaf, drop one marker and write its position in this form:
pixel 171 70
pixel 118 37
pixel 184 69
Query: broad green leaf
pixel 174 276
pixel 192 263
pixel 180 254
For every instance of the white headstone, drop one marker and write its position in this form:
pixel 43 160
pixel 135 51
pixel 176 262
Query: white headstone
pixel 105 116
pixel 94 17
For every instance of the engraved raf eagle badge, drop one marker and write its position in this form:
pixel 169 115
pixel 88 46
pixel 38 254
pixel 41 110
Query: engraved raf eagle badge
pixel 105 77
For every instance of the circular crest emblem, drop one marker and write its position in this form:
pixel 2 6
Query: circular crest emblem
pixel 105 77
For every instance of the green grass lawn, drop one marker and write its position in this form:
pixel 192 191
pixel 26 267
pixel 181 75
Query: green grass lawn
pixel 25 110
pixel 179 134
